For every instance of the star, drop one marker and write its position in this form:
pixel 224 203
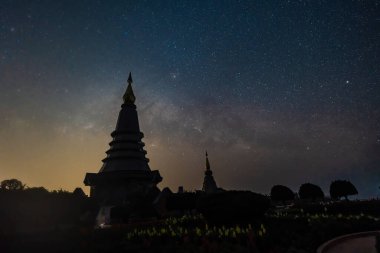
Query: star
pixel 276 83
pixel 174 75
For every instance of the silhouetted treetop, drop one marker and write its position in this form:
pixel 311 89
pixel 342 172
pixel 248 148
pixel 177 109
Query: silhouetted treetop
pixel 281 193
pixel 79 192
pixel 36 190
pixel 342 188
pixel 12 184
pixel 310 191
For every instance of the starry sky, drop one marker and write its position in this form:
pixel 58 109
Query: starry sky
pixel 278 92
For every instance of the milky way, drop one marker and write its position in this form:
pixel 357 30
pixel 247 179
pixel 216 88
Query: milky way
pixel 278 92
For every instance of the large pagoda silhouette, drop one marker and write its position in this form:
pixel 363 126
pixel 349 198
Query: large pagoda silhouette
pixel 125 186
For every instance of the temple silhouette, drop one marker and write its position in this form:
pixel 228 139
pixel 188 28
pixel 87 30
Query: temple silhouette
pixel 209 184
pixel 125 184
pixel 125 187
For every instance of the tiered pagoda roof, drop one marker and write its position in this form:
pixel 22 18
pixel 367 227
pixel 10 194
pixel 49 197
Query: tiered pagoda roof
pixel 126 157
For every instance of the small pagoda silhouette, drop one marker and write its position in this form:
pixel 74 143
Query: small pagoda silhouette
pixel 209 184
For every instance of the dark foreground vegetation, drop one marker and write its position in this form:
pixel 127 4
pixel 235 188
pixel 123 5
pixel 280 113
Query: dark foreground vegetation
pixel 36 220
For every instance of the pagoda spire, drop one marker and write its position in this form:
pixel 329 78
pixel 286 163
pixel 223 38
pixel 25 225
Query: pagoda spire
pixel 207 162
pixel 129 97
pixel 208 171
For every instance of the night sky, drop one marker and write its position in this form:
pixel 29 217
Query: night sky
pixel 278 92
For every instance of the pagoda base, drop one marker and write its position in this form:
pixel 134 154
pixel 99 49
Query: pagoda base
pixel 124 195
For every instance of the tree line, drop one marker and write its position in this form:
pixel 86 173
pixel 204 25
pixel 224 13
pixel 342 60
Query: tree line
pixel 338 189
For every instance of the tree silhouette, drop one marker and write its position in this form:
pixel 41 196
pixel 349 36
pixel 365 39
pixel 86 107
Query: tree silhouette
pixel 310 191
pixel 281 193
pixel 12 184
pixel 36 191
pixel 342 188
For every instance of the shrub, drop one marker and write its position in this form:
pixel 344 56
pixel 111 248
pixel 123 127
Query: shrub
pixel 281 193
pixel 182 201
pixel 233 207
pixel 342 188
pixel 310 191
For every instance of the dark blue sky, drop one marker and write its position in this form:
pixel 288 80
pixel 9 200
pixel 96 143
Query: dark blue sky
pixel 279 92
